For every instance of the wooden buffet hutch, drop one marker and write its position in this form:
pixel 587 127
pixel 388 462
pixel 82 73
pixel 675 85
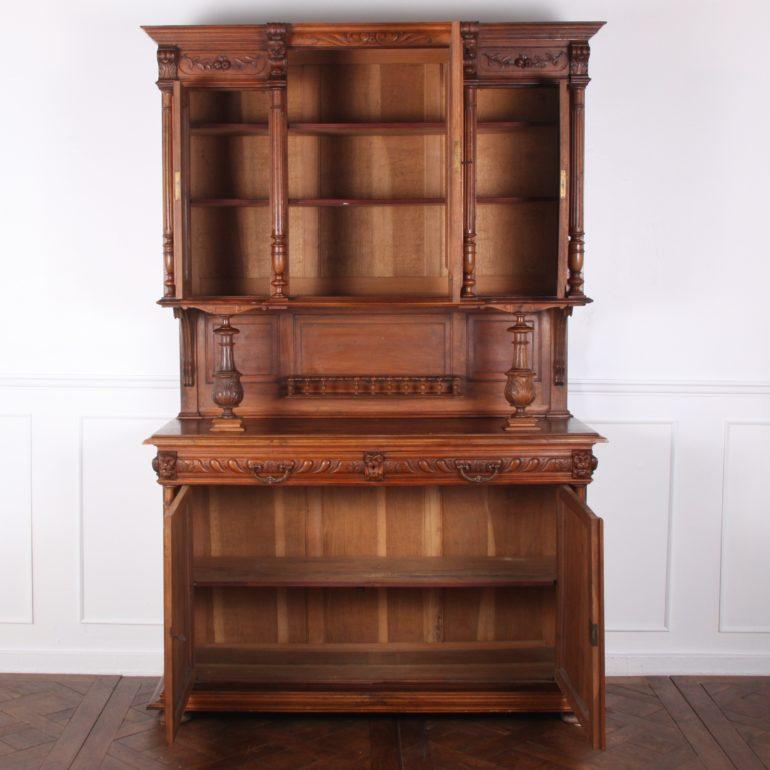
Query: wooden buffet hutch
pixel 371 502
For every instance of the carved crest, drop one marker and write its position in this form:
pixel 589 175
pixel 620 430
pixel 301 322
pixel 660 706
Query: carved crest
pixel 370 37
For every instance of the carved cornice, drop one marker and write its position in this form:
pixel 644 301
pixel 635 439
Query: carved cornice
pixel 372 385
pixel 168 60
pixel 469 32
pixel 376 467
pixel 276 50
pixel 251 64
pixel 523 61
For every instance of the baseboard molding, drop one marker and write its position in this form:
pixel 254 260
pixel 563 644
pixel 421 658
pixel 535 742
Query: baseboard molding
pixel 685 664
pixel 126 662
pixel 150 663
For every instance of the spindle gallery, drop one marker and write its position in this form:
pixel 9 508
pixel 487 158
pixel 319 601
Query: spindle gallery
pixel 375 493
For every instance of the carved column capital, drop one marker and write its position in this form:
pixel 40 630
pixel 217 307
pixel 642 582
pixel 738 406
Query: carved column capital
pixel 164 464
pixel 584 463
pixel 168 63
pixel 578 64
pixel 276 50
pixel 469 32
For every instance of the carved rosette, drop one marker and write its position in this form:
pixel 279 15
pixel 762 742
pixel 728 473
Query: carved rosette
pixel 164 464
pixel 584 463
pixel 374 466
pixel 228 391
pixel 520 378
pixel 469 32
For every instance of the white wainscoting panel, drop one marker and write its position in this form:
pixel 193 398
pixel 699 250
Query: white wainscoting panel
pixel 632 493
pixel 16 519
pixel 745 574
pixel 121 523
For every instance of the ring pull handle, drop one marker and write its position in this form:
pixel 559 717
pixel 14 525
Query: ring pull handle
pixel 478 472
pixel 272 473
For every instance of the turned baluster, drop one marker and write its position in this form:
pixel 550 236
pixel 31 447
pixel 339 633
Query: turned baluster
pixel 228 391
pixel 520 383
pixel 578 80
pixel 469 32
pixel 167 74
pixel 279 184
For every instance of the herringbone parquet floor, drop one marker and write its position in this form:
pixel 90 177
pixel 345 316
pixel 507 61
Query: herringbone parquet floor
pixel 86 722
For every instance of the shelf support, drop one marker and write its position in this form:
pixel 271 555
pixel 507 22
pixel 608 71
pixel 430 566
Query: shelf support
pixel 469 32
pixel 520 383
pixel 279 150
pixel 578 80
pixel 168 57
pixel 228 391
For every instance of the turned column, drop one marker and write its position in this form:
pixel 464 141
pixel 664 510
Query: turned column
pixel 469 33
pixel 228 391
pixel 279 185
pixel 520 383
pixel 167 74
pixel 578 80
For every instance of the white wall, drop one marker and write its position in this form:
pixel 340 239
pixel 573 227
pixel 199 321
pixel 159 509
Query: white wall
pixel 672 362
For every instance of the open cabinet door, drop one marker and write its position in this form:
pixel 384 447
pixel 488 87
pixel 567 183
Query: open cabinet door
pixel 580 629
pixel 177 609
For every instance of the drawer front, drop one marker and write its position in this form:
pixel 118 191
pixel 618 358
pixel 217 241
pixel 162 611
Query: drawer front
pixel 375 467
pixel 523 62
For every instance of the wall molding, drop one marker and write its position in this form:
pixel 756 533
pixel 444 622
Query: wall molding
pixel 28 618
pixel 80 577
pixel 686 664
pixel 721 625
pixel 665 626
pixel 604 387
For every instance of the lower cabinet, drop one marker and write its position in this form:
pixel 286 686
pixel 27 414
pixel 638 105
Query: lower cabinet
pixel 375 599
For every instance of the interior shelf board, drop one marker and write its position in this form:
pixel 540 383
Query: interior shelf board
pixel 374 571
pixel 509 199
pixel 229 202
pixel 444 669
pixel 322 128
pixel 321 202
pixel 499 126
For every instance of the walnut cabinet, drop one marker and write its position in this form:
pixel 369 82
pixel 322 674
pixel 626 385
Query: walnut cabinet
pixel 375 493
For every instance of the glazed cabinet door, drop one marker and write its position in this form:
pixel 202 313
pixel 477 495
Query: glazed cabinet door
pixel 177 589
pixel 580 612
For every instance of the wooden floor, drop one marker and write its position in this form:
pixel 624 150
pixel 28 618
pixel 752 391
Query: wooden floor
pixel 49 721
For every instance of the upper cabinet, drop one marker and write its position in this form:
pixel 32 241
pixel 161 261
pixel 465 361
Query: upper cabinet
pixel 413 162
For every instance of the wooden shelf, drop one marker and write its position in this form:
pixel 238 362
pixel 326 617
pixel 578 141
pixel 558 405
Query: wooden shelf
pixel 373 571
pixel 317 202
pixel 360 128
pixel 318 129
pixel 499 126
pixel 512 199
pixel 431 665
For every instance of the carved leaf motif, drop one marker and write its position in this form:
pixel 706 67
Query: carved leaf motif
pixel 222 63
pixel 500 60
pixel 373 37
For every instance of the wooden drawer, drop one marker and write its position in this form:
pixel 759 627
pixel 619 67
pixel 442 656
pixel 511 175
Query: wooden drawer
pixel 523 62
pixel 375 467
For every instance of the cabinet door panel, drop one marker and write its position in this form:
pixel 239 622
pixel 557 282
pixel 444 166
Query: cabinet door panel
pixel 177 587
pixel 580 625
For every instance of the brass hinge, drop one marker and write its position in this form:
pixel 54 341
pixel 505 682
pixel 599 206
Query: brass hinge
pixel 594 634
pixel 563 184
pixel 177 185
